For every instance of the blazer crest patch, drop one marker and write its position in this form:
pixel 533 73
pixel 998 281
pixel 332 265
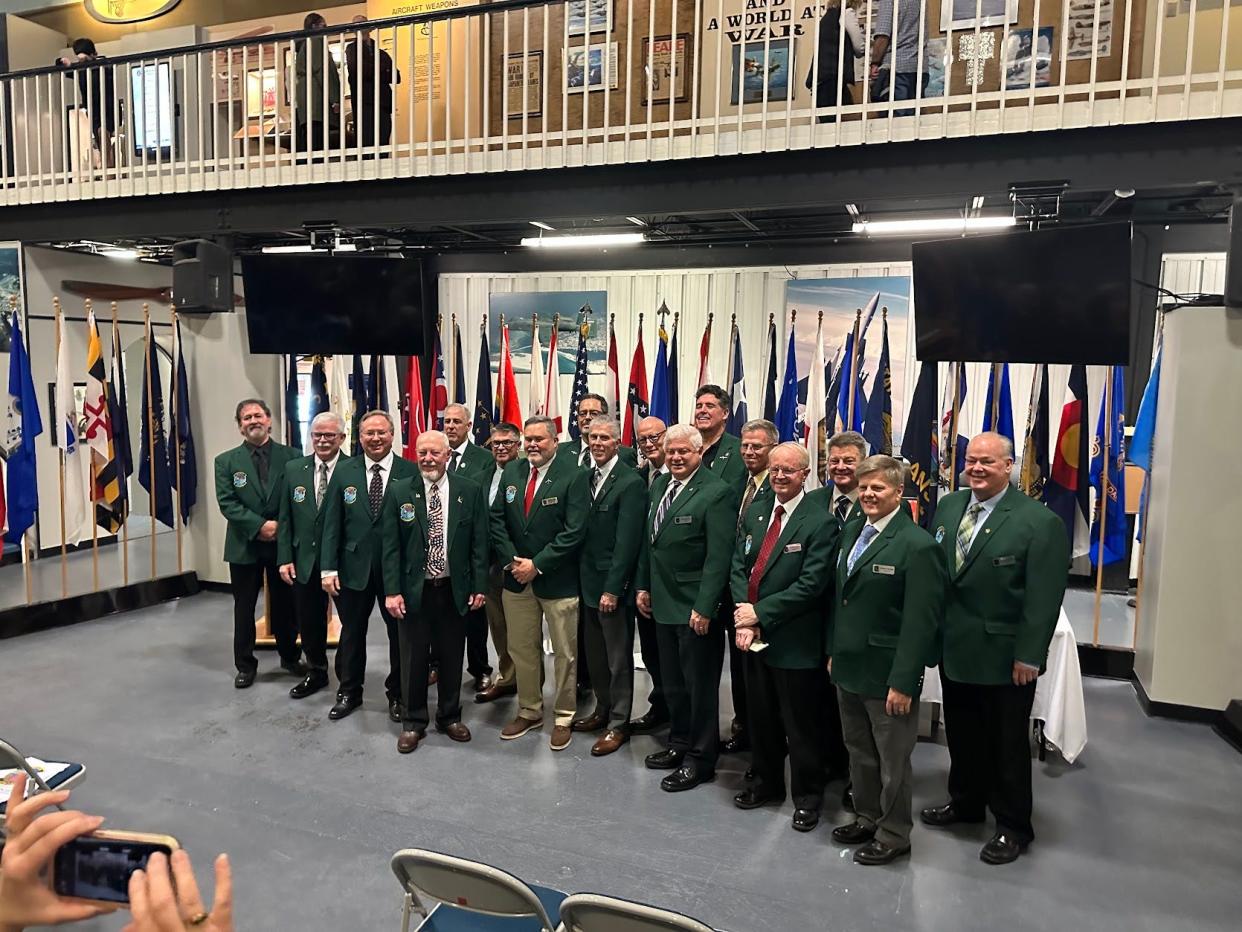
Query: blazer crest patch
pixel 239 480
pixel 510 494
pixel 407 513
pixel 940 534
pixel 749 543
pixel 299 494
pixel 351 494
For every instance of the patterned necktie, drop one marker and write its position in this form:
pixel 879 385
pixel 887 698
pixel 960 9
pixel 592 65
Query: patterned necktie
pixel 751 488
pixel 765 552
pixel 665 503
pixel 435 534
pixel 322 485
pixel 375 493
pixel 842 508
pixel 453 457
pixel 965 531
pixel 584 456
pixel 864 540
pixel 530 488
pixel 597 476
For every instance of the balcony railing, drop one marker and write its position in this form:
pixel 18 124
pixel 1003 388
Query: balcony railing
pixel 543 84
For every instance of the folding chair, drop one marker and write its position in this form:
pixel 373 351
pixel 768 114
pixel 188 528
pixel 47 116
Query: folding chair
pixel 589 912
pixel 471 896
pixel 13 759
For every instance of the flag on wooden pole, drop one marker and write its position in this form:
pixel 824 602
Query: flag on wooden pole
pixel 109 503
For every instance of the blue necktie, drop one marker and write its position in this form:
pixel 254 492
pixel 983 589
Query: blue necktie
pixel 864 539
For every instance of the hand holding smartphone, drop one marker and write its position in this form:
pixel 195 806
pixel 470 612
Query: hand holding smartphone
pixel 96 868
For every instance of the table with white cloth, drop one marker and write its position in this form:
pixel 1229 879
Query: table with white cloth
pixel 1058 709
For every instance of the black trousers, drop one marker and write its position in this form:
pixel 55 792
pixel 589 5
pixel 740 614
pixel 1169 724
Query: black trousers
pixel 987 729
pixel 317 135
pixel 649 648
pixel 247 582
pixel 584 670
pixel 787 715
pixel 476 645
pixel 836 756
pixel 310 604
pixel 367 125
pixel 739 660
pixel 691 665
pixel 435 621
pixel 351 653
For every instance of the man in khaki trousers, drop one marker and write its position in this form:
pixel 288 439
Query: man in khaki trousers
pixel 538 522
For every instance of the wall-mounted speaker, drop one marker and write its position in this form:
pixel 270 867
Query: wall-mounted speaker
pixel 202 277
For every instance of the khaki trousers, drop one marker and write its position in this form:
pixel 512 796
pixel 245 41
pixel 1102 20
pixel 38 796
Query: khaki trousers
pixel 524 614
pixel 496 624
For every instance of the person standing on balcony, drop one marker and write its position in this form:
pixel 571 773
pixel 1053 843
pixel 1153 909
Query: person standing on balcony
pixel 96 94
pixel 898 30
pixel 838 29
pixel 371 77
pixel 316 89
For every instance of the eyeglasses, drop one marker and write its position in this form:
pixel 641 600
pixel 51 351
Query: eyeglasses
pixel 784 470
pixel 331 436
pixel 652 440
pixel 755 447
pixel 504 443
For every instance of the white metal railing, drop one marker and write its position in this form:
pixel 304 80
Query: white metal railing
pixel 529 84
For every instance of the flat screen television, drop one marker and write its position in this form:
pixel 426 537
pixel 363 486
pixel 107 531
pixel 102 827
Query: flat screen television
pixel 1057 296
pixel 318 303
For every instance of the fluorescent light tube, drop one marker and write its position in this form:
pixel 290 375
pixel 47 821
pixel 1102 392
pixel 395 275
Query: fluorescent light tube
pixel 932 225
pixel 541 225
pixel 586 241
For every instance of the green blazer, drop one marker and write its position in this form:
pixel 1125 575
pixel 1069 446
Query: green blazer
pixel 727 466
pixel 614 535
pixel 574 449
pixel 245 502
pixel 551 534
pixel 405 527
pixel 300 526
pixel 1004 603
pixel 795 582
pixel 886 615
pixel 476 464
pixel 761 503
pixel 686 565
pixel 351 539
pixel 823 500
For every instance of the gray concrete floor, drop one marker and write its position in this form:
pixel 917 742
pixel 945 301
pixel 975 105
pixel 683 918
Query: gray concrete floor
pixel 1143 833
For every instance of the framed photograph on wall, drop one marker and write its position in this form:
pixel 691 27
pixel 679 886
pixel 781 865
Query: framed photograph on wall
pixel 664 83
pixel 759 67
pixel 11 292
pixel 586 65
pixel 1021 49
pixel 524 71
pixel 961 14
pixel 588 16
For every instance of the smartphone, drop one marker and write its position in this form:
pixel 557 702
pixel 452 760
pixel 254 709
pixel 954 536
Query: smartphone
pixel 97 867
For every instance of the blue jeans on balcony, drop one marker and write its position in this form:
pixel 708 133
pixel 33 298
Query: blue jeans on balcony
pixel 905 87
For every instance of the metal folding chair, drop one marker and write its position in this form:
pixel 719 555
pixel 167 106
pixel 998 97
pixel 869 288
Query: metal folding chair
pixel 468 891
pixel 589 912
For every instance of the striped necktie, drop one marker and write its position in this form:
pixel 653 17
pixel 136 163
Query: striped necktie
pixel 665 504
pixel 751 488
pixel 965 531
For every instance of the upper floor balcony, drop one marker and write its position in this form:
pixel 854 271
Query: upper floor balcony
pixel 519 85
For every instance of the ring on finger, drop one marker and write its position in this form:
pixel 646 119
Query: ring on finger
pixel 198 918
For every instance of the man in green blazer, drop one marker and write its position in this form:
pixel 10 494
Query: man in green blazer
pixel 722 453
pixel 505 442
pixel 886 611
pixel 650 435
pixel 435 532
pixel 350 553
pixel 591 406
pixel 840 497
pixel 781 574
pixel 297 543
pixel 682 574
pixel 474 463
pixel 250 482
pixel 538 521
pixel 1008 557
pixel 606 563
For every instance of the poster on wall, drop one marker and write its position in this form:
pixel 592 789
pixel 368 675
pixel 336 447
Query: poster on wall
pixel 524 71
pixel 10 288
pixel 1081 25
pixel 967 14
pixel 936 55
pixel 587 16
pixel 518 308
pixel 758 72
pixel 1019 58
pixel 840 299
pixel 665 79
pixel 585 66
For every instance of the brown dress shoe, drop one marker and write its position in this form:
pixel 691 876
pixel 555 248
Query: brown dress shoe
pixel 519 726
pixel 408 741
pixel 496 691
pixel 608 742
pixel 593 722
pixel 457 731
pixel 561 736
pixel 433 677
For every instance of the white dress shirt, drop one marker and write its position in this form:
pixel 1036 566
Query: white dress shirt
pixel 653 473
pixel 605 471
pixel 491 495
pixel 788 507
pixel 442 487
pixel 989 505
pixel 879 525
pixel 684 482
pixel 459 453
pixel 851 496
pixel 331 468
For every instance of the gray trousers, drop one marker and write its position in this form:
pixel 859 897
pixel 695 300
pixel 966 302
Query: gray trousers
pixel 609 653
pixel 880 746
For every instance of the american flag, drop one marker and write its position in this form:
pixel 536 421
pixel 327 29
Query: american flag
pixel 580 371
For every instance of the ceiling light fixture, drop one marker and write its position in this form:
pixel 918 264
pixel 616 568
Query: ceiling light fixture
pixel 126 254
pixel 542 225
pixel 586 241
pixel 282 250
pixel 638 222
pixel 932 225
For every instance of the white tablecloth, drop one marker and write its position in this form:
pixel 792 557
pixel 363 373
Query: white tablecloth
pixel 1058 693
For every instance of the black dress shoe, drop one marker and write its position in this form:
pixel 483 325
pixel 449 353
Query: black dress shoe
pixel 1002 849
pixel 834 775
pixel 293 667
pixel 738 744
pixel 751 798
pixel 647 723
pixel 948 814
pixel 394 710
pixel 855 833
pixel 805 819
pixel 244 679
pixel 344 706
pixel 309 686
pixel 684 778
pixel 847 797
pixel 749 775
pixel 668 759
pixel 876 852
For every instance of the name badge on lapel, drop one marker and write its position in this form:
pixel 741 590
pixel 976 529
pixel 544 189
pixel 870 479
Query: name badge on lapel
pixel 239 480
pixel 684 519
pixel 792 548
pixel 406 513
pixel 550 501
pixel 510 493
pixel 299 494
pixel 602 508
pixel 351 494
pixel 884 569
pixel 1005 561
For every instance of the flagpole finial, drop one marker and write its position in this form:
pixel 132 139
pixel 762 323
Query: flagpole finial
pixel 586 309
pixel 676 317
pixel 88 305
pixel 663 311
pixel 502 321
pixel 821 317
pixel 793 315
pixel 640 323
pixel 732 320
pixel 454 318
pixel 858 314
pixel 710 315
pixel 556 319
pixel 884 313
pixel 56 305
pixel 612 318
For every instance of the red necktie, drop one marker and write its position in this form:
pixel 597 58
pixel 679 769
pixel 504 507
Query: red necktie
pixel 765 551
pixel 530 487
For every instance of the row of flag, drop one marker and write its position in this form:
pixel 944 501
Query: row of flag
pixel 102 427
